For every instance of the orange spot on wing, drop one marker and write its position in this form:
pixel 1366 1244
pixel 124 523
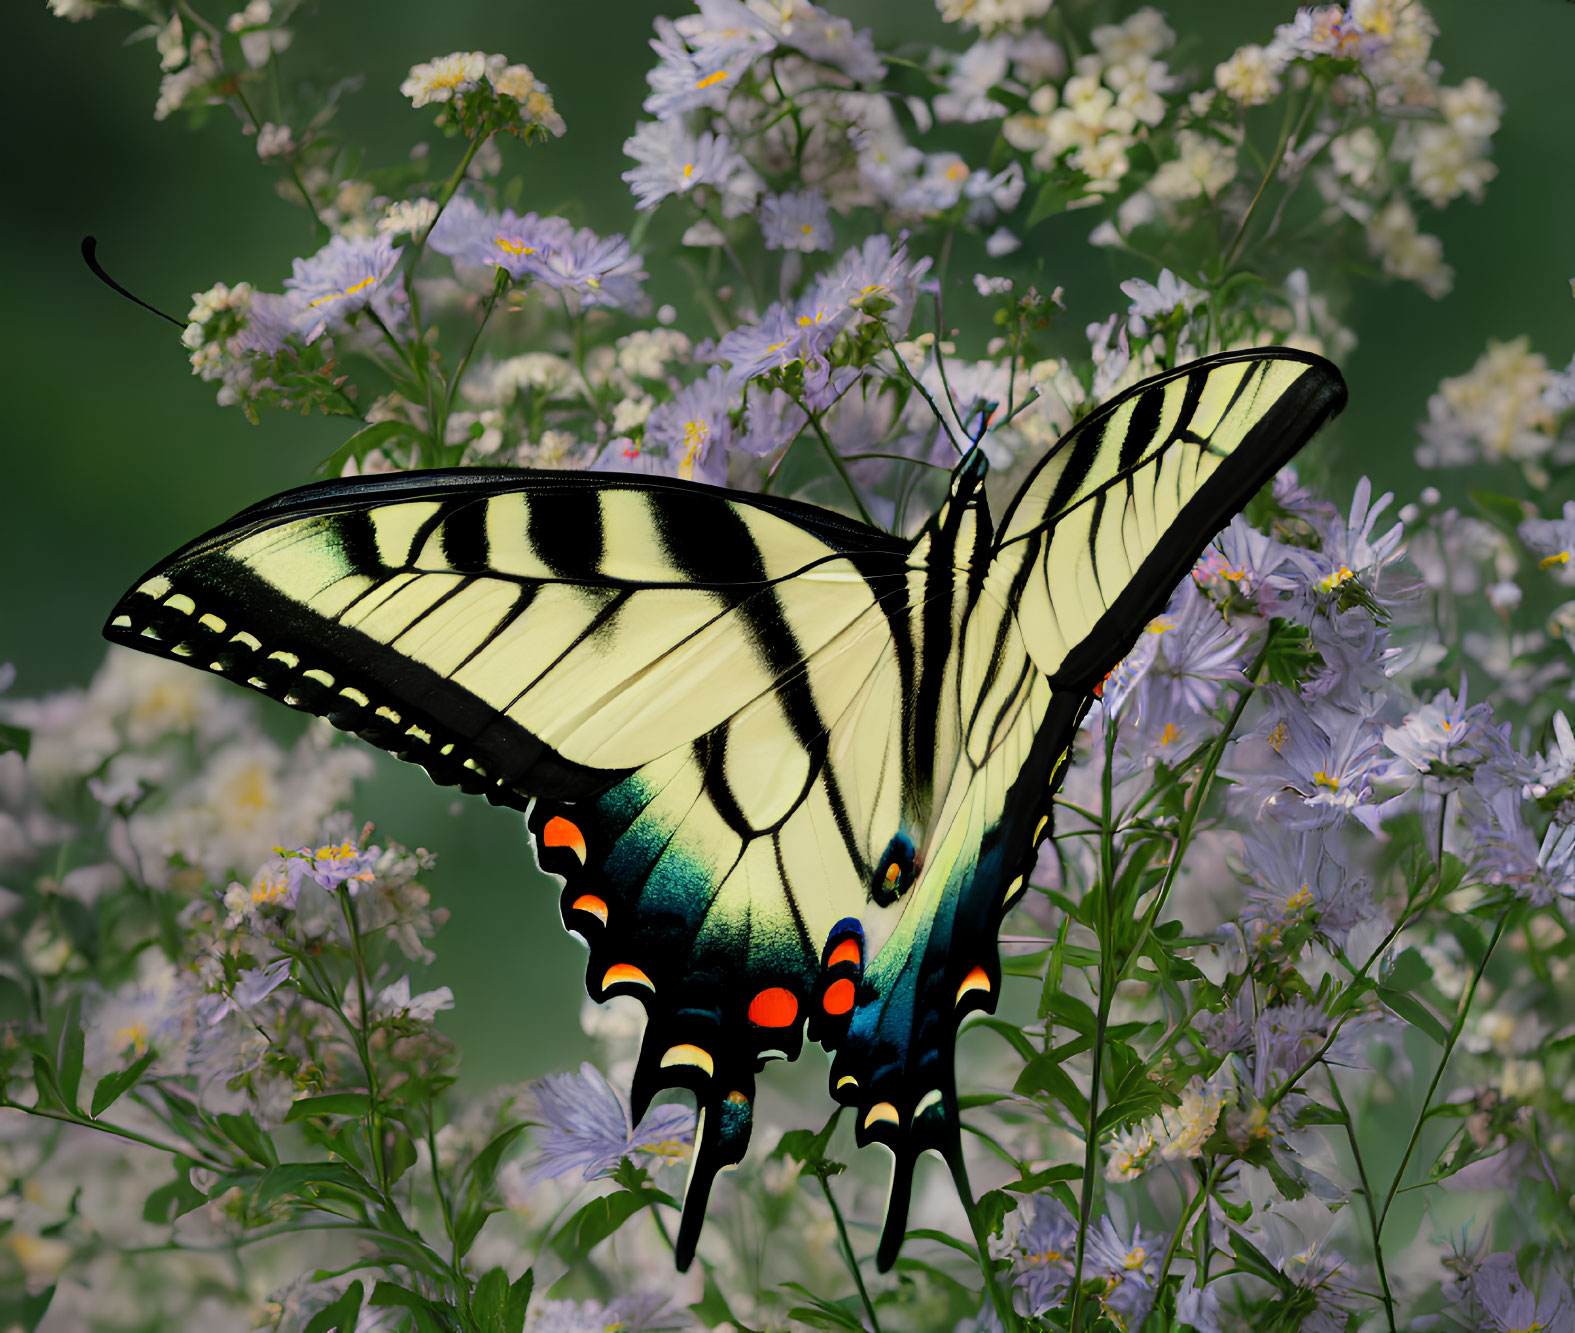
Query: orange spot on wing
pixel 839 997
pixel 621 972
pixel 560 832
pixel 589 902
pixel 975 980
pixel 893 874
pixel 774 1007
pixel 846 952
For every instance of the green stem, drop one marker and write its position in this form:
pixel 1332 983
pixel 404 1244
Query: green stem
pixel 295 176
pixel 1000 1299
pixel 118 1131
pixel 836 461
pixel 1199 1198
pixel 848 1257
pixel 1461 1012
pixel 374 1125
pixel 499 286
pixel 1090 1149
pixel 1367 1198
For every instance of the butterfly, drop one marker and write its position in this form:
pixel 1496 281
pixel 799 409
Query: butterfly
pixel 792 770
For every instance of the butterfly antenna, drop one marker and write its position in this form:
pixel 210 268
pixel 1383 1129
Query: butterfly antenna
pixel 90 257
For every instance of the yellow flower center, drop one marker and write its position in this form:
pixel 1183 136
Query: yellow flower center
pixel 134 1035
pixel 805 228
pixel 269 889
pixel 809 321
pixel 696 433
pixel 1557 558
pixel 348 291
pixel 1299 901
pixel 711 80
pixel 1136 1257
pixel 1160 624
pixel 1325 781
pixel 1045 1257
pixel 689 170
pixel 1172 732
pixel 1277 737
pixel 1339 578
pixel 513 245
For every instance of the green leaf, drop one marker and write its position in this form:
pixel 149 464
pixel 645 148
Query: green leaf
pixel 329 1103
pixel 1041 1179
pixel 826 1314
pixel 805 1146
pixel 1010 1031
pixel 71 1046
pixel 1071 1012
pixel 1410 972
pixel 993 1206
pixel 712 1308
pixel 1504 511
pixel 1044 1074
pixel 962 1247
pixel 341 1315
pixel 598 1219
pixel 1053 198
pixel 112 1087
pixel 429 1315
pixel 176 1199
pixel 20 740
pixel 250 1137
pixel 310 1180
pixel 1414 1012
pixel 362 443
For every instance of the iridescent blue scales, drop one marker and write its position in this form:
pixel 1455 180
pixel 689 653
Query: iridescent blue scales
pixel 791 770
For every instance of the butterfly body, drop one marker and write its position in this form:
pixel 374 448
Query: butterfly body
pixel 791 770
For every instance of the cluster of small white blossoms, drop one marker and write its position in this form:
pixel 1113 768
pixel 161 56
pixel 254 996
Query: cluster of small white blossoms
pixel 453 76
pixel 1503 409
pixel 1177 1134
pixel 1114 96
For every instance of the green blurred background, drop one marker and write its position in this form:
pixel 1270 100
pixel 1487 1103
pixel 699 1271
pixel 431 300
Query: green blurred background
pixel 112 454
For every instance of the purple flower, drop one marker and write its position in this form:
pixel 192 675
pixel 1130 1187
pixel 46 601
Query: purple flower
pixel 1128 1267
pixel 1196 651
pixel 783 335
pixel 252 986
pixel 1295 876
pixel 520 244
pixel 1312 766
pixel 694 430
pixel 1554 540
pixel 771 423
pixel 596 270
pixel 346 276
pixel 1507 1303
pixel 798 220
pixel 585 1127
pixel 336 864
pixel 1450 742
pixel 685 79
pixel 1044 1255
pixel 673 161
pixel 1253 565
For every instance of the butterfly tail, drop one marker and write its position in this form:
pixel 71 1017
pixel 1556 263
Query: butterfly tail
pixel 721 1137
pixel 899 1195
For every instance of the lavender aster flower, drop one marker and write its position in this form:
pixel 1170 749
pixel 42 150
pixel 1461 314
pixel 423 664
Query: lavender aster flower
pixel 636 1313
pixel 1128 1267
pixel 797 220
pixel 771 423
pixel 1314 766
pixel 1507 1304
pixel 518 243
pixel 596 271
pixel 685 80
pixel 347 275
pixel 585 1127
pixel 1554 540
pixel 1150 302
pixel 783 335
pixel 1197 650
pixel 336 864
pixel 1295 876
pixel 672 161
pixel 1042 1262
pixel 1450 742
pixel 695 429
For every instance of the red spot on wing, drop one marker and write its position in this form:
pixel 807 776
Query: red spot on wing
pixel 560 832
pixel 846 952
pixel 839 997
pixel 775 1007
